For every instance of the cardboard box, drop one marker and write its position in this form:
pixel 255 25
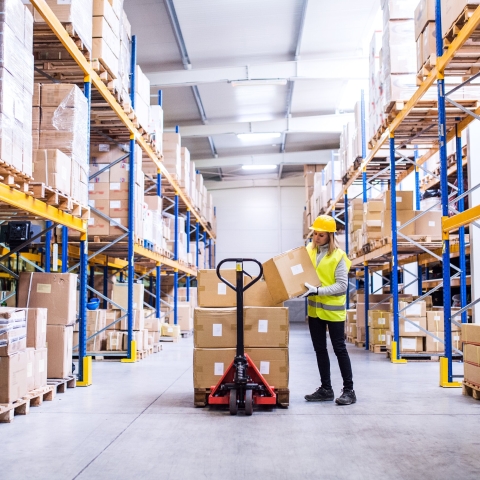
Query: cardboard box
pixel 411 344
pixel 418 309
pixel 352 316
pixel 258 295
pixel 272 363
pixel 120 295
pixel 53 168
pixel 215 327
pixel 424 13
pixel 472 374
pixel 471 333
pixel 30 354
pixel 111 317
pixel 13 331
pixel 352 330
pixel 185 317
pixel 409 330
pixel 360 333
pixel 404 200
pixel 59 344
pixel 378 319
pixel 13 377
pixel 170 330
pixel 433 345
pixel 138 337
pixel 115 340
pixel 43 290
pixel 435 321
pixel 209 365
pixel 429 224
pixel 153 324
pixel 471 354
pixel 98 191
pixel 36 327
pixel 138 321
pixel 403 216
pixel 212 292
pixel 286 274
pixel 40 367
pixel 377 336
pixel 266 327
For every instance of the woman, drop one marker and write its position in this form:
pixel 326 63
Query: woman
pixel 327 309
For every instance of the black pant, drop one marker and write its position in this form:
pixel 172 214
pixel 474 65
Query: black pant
pixel 318 332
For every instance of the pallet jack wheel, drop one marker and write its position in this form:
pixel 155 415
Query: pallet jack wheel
pixel 249 402
pixel 233 402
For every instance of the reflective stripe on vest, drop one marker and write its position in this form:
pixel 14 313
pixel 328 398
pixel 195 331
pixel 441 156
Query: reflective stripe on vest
pixel 332 308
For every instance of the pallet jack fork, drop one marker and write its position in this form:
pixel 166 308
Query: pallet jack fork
pixel 242 385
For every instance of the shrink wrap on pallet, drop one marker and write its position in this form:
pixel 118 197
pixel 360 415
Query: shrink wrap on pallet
pixel 399 48
pixel 77 12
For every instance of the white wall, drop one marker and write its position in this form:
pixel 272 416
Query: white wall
pixel 258 222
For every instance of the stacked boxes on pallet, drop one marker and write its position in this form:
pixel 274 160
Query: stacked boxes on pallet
pixel 96 321
pixel 37 347
pixel 435 324
pixel 16 86
pixel 351 331
pixel 60 114
pixel 355 225
pixel 43 291
pixel 471 354
pixel 425 33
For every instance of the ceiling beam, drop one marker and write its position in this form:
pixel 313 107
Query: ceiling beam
pixel 310 124
pixel 319 69
pixel 284 182
pixel 290 158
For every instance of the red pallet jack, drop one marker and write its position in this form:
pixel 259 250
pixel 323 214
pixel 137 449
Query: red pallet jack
pixel 242 385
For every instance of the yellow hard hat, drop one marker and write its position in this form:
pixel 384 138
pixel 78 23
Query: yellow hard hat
pixel 324 223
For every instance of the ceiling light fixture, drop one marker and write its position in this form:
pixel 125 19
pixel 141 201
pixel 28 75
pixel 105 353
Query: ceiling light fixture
pixel 258 136
pixel 259 167
pixel 258 82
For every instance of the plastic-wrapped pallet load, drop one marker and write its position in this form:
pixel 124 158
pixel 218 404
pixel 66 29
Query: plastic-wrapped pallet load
pixel 16 85
pixel 76 12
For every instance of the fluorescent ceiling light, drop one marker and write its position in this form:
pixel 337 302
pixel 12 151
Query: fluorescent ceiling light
pixel 258 82
pixel 258 136
pixel 259 167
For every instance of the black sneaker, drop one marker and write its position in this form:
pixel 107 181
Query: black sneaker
pixel 347 398
pixel 321 395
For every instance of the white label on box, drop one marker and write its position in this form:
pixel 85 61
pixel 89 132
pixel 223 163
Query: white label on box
pixel 91 203
pixel 431 224
pixel 297 269
pixel 414 310
pixel 456 338
pixel 103 147
pixel 91 187
pixel 263 326
pixel 435 340
pixel 381 321
pixel 399 224
pixel 389 339
pixel 91 221
pixel 115 203
pixel 264 368
pixel 436 318
pixel 41 366
pixel 44 288
pixel 134 304
pixel 64 2
pixel 29 369
pixel 399 199
pixel 115 186
pixel 355 317
pixel 217 330
pixel 170 329
pixel 409 343
pixel 222 289
pixel 409 328
pixel 381 338
pixel 218 369
pixel 44 326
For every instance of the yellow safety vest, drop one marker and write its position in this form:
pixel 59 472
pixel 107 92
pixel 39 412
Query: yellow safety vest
pixel 328 307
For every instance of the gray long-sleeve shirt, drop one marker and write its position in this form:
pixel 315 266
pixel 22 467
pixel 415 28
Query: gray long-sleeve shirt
pixel 341 275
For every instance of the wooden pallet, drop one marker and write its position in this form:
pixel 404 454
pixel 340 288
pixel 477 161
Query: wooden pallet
pixel 43 36
pixel 157 347
pixel 377 348
pixel 169 339
pixel 34 398
pixel 458 24
pixel 14 178
pixel 186 333
pixel 421 357
pixel 471 390
pixel 201 397
pixel 142 354
pixel 359 344
pixel 61 384
pixel 350 339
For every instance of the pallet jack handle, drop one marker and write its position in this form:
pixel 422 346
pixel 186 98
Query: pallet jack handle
pixel 239 262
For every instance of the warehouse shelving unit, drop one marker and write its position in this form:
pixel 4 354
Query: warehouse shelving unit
pixel 413 125
pixel 140 261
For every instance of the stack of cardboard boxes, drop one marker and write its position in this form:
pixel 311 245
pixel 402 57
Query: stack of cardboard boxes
pixel 355 225
pixel 37 354
pixel 96 321
pixel 43 291
pixel 16 86
pixel 351 328
pixel 471 354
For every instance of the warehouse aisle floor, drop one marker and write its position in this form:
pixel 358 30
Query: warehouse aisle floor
pixel 138 421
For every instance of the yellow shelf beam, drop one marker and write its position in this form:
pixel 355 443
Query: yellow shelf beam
pixel 45 11
pixel 163 260
pixel 460 219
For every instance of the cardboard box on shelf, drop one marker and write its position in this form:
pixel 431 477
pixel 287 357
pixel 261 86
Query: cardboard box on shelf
pixel 36 327
pixel 433 345
pixel 59 345
pixel 170 330
pixel 471 333
pixel 215 327
pixel 429 224
pixel 418 309
pixel 43 290
pixel 99 191
pixel 212 292
pixel 120 295
pixel 138 321
pixel 377 336
pixel 378 319
pixel 266 327
pixel 352 316
pixel 115 340
pixel 360 333
pixel 435 319
pixel 411 344
pixel 138 337
pixel 404 200
pixel 153 324
pixel 53 168
pixel 352 330
pixel 286 274
pixel 40 367
pixel 403 216
pixel 409 329
pixel 13 377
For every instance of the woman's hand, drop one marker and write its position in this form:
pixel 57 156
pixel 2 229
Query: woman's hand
pixel 311 291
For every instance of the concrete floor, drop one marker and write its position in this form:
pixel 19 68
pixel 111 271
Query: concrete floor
pixel 138 421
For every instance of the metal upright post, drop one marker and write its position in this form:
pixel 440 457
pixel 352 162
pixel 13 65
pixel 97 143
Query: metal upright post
pixel 461 230
pixel 131 344
pixel 419 278
pixel 64 249
pixel 175 296
pixel 158 292
pixel 84 360
pixel 48 247
pixel 188 251
pixel 417 180
pixel 346 245
pixel 175 246
pixel 150 289
pixel 445 362
pixel 105 285
pixel 204 249
pixel 366 279
pixel 197 243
